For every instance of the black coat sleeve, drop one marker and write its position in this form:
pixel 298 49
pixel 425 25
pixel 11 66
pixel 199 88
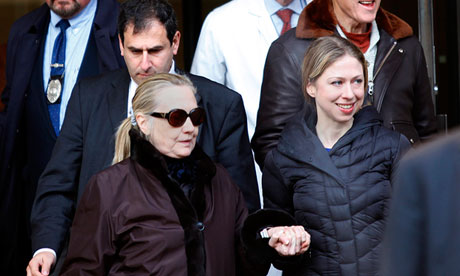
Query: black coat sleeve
pixel 277 212
pixel 224 136
pixel 423 111
pixel 11 56
pixel 57 189
pixel 276 192
pixel 281 98
pixel 234 152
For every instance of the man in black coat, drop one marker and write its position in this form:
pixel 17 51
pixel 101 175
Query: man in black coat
pixel 422 235
pixel 27 136
pixel 148 40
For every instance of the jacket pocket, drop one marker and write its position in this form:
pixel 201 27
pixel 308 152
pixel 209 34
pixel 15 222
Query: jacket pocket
pixel 407 129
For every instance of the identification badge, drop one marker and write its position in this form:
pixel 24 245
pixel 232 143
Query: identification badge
pixel 53 93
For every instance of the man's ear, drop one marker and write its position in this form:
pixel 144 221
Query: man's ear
pixel 121 46
pixel 176 42
pixel 143 124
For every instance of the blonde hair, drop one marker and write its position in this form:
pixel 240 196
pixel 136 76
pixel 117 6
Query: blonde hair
pixel 144 102
pixel 323 52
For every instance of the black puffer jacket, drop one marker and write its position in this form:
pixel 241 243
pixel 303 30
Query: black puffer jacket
pixel 402 92
pixel 341 197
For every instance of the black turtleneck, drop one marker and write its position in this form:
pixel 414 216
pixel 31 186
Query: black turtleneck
pixel 183 171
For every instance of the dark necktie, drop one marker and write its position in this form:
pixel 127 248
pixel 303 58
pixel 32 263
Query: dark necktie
pixel 57 71
pixel 285 16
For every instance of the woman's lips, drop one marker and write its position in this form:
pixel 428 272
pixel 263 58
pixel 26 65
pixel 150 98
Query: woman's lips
pixel 346 108
pixel 367 4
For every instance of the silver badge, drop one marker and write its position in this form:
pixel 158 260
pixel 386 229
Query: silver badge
pixel 54 90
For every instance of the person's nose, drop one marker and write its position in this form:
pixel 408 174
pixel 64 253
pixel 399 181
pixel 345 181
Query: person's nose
pixel 348 92
pixel 188 126
pixel 145 62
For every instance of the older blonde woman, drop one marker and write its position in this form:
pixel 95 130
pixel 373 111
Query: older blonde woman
pixel 163 208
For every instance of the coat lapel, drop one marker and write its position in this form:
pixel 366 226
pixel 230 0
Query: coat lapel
pixel 104 29
pixel 300 143
pixel 264 23
pixel 389 68
pixel 28 51
pixel 118 99
pixel 318 19
pixel 31 59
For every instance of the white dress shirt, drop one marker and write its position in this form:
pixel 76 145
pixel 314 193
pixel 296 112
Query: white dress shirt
pixel 133 86
pixel 76 40
pixel 296 6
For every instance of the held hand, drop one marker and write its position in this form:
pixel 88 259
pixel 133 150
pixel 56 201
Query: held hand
pixel 289 240
pixel 40 265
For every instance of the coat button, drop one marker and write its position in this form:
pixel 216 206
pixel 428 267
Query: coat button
pixel 200 226
pixel 411 141
pixel 401 51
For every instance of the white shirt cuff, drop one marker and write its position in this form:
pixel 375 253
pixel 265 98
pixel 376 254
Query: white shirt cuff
pixel 46 250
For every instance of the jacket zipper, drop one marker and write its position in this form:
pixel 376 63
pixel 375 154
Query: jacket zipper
pixel 370 90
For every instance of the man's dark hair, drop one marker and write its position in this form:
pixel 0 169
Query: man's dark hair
pixel 140 13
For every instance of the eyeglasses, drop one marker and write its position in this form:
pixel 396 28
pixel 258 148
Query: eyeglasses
pixel 177 117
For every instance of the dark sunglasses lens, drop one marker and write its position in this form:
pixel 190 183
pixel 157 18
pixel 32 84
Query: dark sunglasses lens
pixel 177 118
pixel 197 116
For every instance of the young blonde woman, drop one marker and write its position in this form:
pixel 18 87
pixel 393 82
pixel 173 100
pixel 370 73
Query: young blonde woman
pixel 332 169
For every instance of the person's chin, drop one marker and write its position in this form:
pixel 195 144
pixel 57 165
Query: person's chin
pixel 368 16
pixel 184 152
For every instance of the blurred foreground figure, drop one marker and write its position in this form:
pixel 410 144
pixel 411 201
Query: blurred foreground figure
pixel 422 236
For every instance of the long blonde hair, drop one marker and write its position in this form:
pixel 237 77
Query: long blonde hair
pixel 144 102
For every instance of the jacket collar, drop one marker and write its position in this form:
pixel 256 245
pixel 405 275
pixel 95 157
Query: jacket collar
pixel 103 18
pixel 300 142
pixel 152 160
pixel 317 19
pixel 118 97
pixel 190 211
pixel 144 153
pixel 41 20
pixel 262 20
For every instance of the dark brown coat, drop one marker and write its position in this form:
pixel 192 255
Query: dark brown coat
pixel 133 218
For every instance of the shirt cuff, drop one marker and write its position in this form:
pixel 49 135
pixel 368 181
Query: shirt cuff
pixel 46 250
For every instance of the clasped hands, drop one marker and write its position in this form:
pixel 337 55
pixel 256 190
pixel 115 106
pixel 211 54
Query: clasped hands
pixel 289 240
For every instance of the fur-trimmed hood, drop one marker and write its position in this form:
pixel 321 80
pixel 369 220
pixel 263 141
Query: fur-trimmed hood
pixel 318 19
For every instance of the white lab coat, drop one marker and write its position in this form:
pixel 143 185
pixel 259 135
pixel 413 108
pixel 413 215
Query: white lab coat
pixel 232 48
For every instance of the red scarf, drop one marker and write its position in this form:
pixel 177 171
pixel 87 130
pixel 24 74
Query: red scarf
pixel 361 40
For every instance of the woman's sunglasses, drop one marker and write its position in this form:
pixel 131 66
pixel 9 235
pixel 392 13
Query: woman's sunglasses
pixel 177 117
